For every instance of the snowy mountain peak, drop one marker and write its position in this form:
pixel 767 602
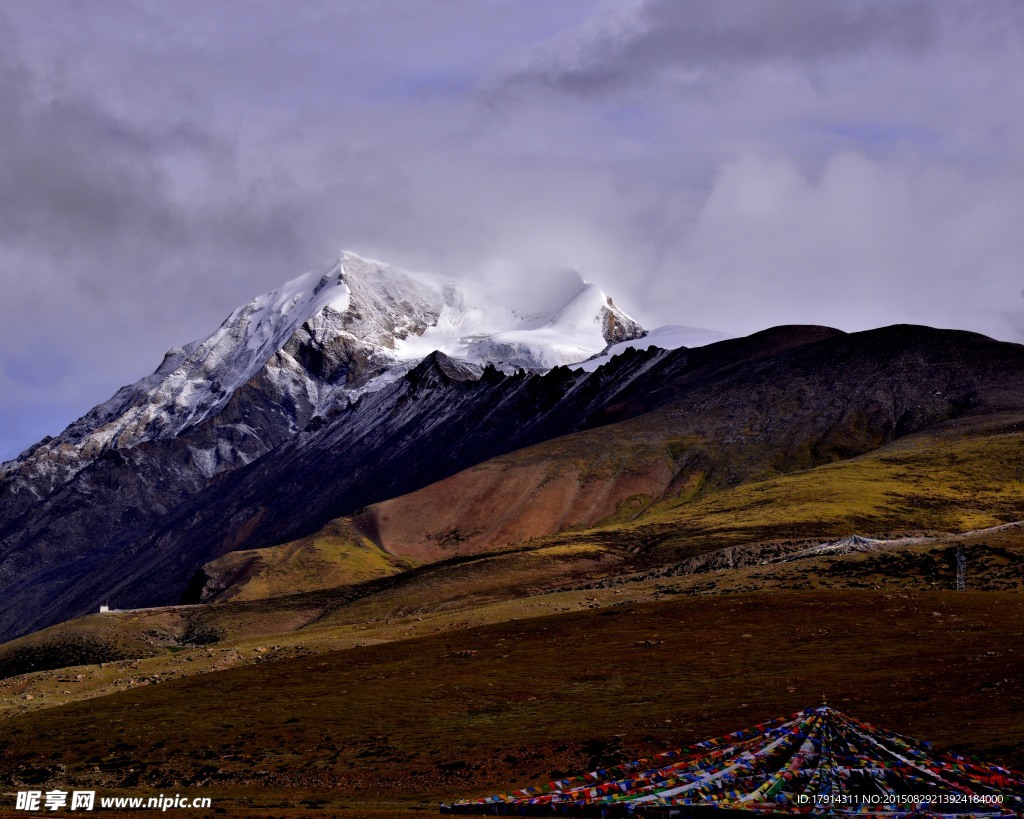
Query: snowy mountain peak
pixel 561 324
pixel 319 340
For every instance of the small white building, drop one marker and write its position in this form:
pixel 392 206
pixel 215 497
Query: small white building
pixel 104 608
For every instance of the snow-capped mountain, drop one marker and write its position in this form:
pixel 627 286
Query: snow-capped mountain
pixel 316 343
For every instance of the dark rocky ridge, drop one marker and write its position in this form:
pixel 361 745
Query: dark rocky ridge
pixel 136 525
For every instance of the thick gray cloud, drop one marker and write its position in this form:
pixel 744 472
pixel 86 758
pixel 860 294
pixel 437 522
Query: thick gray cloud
pixel 726 163
pixel 105 255
pixel 638 41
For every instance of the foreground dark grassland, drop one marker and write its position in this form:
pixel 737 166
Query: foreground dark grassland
pixel 637 585
pixel 406 724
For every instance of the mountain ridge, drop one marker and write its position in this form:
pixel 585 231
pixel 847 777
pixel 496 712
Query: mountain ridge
pixel 276 367
pixel 355 413
pixel 318 340
pixel 622 471
pixel 783 399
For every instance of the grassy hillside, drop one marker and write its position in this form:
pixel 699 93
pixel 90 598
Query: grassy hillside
pixel 953 479
pixel 700 497
pixel 336 556
pixel 485 709
pixel 84 641
pixel 946 480
pixel 176 642
pixel 665 459
pixel 604 594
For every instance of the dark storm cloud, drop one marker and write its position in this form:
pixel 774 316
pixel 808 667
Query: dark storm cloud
pixel 74 175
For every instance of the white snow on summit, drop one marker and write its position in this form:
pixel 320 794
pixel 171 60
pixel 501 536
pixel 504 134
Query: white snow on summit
pixel 474 326
pixel 320 340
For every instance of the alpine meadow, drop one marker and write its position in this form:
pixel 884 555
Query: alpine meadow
pixel 605 409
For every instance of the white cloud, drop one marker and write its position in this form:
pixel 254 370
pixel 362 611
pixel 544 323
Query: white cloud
pixel 861 244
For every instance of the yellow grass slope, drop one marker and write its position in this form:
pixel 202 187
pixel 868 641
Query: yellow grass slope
pixel 659 501
pixel 336 556
pixel 943 480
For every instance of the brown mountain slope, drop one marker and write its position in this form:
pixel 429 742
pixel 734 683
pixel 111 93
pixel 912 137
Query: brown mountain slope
pixel 955 478
pixel 574 482
pixel 780 446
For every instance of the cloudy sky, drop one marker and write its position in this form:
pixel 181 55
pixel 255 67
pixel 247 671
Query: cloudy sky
pixel 731 164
